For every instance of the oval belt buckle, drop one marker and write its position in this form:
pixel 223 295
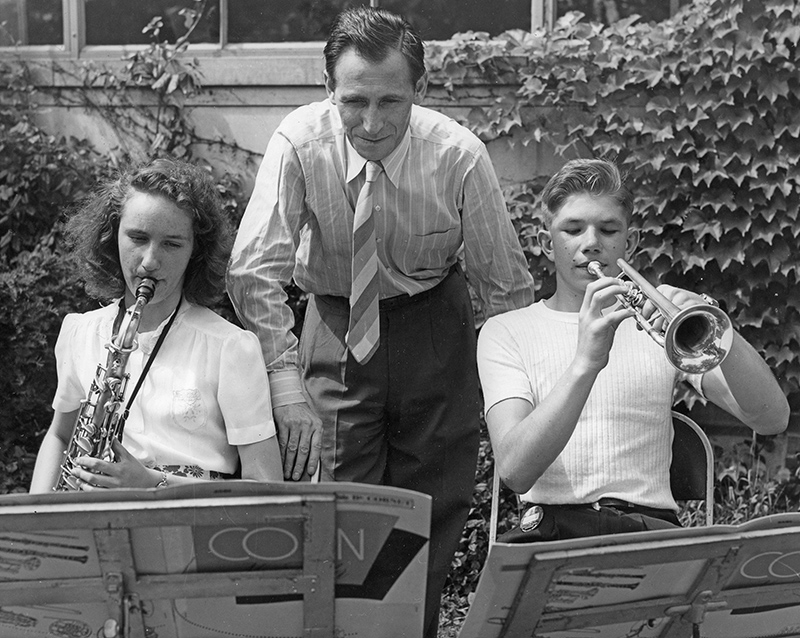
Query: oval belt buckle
pixel 531 518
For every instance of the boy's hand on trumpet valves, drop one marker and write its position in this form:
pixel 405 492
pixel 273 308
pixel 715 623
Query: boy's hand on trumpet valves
pixel 598 319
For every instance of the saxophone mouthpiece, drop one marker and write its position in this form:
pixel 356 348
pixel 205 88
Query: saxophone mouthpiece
pixel 146 289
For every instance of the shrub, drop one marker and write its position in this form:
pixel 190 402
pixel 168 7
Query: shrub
pixel 37 294
pixel 40 176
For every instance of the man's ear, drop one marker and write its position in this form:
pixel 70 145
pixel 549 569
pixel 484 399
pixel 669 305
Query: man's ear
pixel 329 86
pixel 420 88
pixel 546 242
pixel 631 243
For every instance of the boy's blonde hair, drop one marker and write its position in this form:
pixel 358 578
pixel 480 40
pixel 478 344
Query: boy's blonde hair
pixel 593 176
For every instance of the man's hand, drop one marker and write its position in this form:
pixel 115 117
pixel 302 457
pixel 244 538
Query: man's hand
pixel 299 438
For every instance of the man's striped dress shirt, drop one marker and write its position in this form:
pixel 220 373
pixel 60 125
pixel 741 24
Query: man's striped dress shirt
pixel 439 194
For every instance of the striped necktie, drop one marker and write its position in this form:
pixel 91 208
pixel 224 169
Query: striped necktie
pixel 363 332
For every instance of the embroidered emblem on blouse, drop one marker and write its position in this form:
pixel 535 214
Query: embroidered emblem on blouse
pixel 188 410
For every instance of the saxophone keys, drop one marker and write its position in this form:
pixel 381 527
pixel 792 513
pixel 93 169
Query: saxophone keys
pixel 72 482
pixel 84 444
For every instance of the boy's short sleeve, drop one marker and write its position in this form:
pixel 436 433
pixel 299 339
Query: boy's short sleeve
pixel 501 368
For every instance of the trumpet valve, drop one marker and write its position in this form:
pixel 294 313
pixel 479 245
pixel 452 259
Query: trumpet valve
pixel 634 295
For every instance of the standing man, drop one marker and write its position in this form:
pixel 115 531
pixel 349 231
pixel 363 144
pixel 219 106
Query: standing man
pixel 366 200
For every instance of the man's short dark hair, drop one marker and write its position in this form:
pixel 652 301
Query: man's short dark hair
pixel 374 33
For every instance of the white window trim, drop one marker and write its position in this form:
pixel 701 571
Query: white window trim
pixel 542 15
pixel 225 64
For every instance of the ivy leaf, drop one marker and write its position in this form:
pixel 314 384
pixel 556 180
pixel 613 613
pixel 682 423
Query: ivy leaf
pixel 708 176
pixel 727 251
pixel 173 83
pixel 774 87
pixel 773 255
pixel 649 70
pixel 159 82
pixel 758 133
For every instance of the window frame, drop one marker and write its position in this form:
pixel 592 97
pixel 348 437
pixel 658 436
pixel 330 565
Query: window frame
pixel 74 35
pixel 268 63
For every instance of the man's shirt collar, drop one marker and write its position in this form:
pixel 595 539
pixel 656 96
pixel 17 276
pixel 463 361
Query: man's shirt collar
pixel 392 163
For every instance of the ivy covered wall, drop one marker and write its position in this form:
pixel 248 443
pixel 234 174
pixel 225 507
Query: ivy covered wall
pixel 702 112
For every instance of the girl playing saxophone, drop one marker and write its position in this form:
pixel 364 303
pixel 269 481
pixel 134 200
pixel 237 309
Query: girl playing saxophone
pixel 196 393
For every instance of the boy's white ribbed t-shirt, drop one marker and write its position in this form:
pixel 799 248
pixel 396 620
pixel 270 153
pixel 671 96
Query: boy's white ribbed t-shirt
pixel 622 444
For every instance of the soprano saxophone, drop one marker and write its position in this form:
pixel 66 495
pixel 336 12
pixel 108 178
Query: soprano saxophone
pixel 101 415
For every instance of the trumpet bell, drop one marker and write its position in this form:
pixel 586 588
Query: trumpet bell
pixel 697 339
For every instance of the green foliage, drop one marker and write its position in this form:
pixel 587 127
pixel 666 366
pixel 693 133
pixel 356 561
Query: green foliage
pixel 144 101
pixel 703 113
pixel 38 292
pixel 40 174
pixel 744 490
pixel 160 66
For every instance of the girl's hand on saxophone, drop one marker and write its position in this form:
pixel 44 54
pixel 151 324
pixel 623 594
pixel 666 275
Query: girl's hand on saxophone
pixel 127 471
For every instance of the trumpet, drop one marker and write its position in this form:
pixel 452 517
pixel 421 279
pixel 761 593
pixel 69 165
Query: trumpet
pixel 695 339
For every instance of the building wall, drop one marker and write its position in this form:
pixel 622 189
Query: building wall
pixel 245 104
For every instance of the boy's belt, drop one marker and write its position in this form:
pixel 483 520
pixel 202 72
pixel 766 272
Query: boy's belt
pixel 616 503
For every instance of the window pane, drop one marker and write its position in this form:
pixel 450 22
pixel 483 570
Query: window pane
pixel 123 21
pixel 283 20
pixel 440 19
pixel 609 11
pixel 308 20
pixel 31 22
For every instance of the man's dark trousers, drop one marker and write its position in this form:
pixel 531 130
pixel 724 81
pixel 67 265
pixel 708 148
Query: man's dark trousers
pixel 408 418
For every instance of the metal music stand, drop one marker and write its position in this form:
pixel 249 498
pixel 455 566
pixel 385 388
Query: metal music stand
pixel 738 581
pixel 232 558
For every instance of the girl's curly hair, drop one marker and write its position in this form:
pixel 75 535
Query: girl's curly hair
pixel 92 230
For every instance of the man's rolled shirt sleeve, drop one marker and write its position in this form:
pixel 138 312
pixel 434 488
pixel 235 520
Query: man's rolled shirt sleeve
pixel 262 264
pixel 495 261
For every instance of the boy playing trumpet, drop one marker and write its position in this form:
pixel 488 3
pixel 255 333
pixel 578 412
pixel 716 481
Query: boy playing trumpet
pixel 578 400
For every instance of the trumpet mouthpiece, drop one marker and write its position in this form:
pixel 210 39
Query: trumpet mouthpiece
pixel 595 269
